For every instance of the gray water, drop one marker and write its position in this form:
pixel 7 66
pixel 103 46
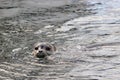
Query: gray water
pixel 85 32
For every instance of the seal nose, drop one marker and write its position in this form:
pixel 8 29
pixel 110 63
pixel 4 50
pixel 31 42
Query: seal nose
pixel 40 51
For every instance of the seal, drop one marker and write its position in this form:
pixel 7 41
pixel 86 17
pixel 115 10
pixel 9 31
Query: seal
pixel 43 50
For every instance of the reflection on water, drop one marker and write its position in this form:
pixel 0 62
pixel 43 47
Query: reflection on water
pixel 86 34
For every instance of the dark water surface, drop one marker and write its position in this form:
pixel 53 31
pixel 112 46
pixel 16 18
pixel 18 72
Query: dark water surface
pixel 86 33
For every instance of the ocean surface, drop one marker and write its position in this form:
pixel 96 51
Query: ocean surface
pixel 85 32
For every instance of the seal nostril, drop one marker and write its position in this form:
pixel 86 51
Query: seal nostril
pixel 40 51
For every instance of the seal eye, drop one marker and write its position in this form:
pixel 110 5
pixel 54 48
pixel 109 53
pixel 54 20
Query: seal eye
pixel 47 48
pixel 36 48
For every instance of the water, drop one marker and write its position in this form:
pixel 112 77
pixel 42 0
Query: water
pixel 85 32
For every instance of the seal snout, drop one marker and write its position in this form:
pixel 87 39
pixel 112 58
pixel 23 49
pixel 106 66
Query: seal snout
pixel 40 55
